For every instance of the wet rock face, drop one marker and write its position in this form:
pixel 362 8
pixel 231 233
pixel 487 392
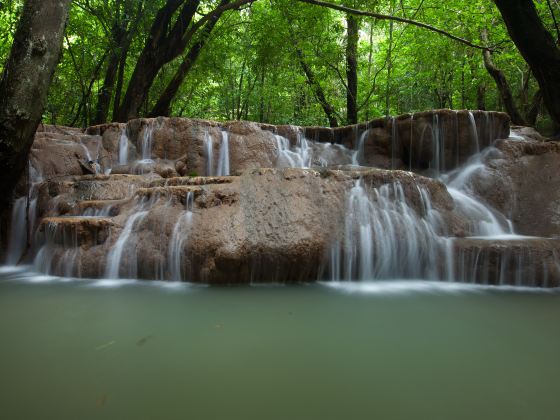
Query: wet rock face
pixel 521 180
pixel 265 225
pixel 437 140
pixel 520 262
pixel 61 151
pixel 158 215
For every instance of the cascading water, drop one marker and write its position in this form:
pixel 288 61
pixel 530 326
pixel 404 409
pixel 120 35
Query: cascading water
pixel 114 267
pixel 223 161
pixel 23 218
pixel 208 148
pixel 123 147
pixel 179 240
pixel 385 237
pixel 474 132
pixel 17 242
pixel 304 150
pixel 358 155
pixel 60 252
pixel 147 138
pixel 437 163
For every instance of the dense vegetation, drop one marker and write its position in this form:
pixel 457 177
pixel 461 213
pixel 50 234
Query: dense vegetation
pixel 282 61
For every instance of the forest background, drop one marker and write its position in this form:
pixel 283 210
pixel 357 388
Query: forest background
pixel 285 61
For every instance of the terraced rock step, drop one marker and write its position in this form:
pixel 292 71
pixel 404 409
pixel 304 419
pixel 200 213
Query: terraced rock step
pixel 76 231
pixel 528 261
pixel 101 208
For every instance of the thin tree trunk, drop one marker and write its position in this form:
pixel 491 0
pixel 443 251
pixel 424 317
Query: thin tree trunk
pixel 502 84
pixel 163 105
pixel 534 109
pixel 317 90
pixel 481 97
pixel 166 42
pixel 120 82
pixel 24 86
pixel 352 28
pixel 389 68
pixel 83 102
pixel 261 99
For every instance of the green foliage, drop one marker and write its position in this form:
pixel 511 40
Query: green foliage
pixel 249 68
pixel 9 14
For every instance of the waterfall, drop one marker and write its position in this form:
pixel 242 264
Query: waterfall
pixel 482 220
pixel 86 151
pixel 123 147
pixel 437 164
pixel 60 253
pixel 299 157
pixel 358 155
pixel 285 157
pixel 24 215
pixel 303 150
pixel 474 132
pixel 17 240
pixel 115 254
pixel 384 237
pixel 147 138
pixel 208 148
pixel 223 161
pixel 179 239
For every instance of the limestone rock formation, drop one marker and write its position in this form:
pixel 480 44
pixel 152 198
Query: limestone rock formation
pixel 239 202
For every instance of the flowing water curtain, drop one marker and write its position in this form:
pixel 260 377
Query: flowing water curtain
pixel 386 238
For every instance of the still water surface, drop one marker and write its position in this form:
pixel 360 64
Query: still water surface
pixel 395 350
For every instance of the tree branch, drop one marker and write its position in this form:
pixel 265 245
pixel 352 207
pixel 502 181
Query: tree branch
pixel 397 19
pixel 217 11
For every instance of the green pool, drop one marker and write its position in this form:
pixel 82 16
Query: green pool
pixel 78 349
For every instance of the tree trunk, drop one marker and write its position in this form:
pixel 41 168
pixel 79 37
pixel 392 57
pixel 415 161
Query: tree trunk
pixel 533 111
pixel 166 42
pixel 480 97
pixel 352 28
pixel 501 83
pixel 121 37
pixel 163 45
pixel 317 90
pixel 106 92
pixel 120 82
pixel 163 105
pixel 537 47
pixel 24 86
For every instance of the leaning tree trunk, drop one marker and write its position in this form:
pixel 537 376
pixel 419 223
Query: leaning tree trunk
pixel 163 105
pixel 25 83
pixel 501 83
pixel 537 47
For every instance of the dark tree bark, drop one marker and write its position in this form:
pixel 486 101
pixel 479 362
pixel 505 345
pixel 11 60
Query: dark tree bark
pixel 538 48
pixel 25 83
pixel 352 28
pixel 162 46
pixel 163 105
pixel 317 89
pixel 502 84
pixel 86 95
pixel 534 108
pixel 481 97
pixel 166 41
